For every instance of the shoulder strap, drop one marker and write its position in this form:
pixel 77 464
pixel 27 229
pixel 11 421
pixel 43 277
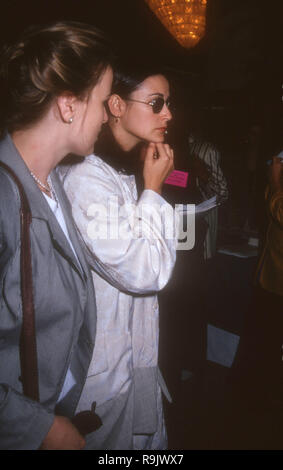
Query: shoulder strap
pixel 28 352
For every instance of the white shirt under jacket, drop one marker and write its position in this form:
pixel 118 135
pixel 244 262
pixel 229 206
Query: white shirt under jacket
pixel 123 374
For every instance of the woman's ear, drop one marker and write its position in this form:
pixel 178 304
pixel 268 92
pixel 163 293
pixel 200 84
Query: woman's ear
pixel 116 105
pixel 66 105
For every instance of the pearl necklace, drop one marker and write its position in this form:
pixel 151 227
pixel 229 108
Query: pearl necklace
pixel 44 186
pixel 48 188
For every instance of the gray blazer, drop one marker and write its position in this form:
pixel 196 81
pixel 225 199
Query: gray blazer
pixel 64 308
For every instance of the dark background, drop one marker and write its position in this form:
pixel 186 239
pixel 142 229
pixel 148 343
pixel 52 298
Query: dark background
pixel 235 70
pixel 233 77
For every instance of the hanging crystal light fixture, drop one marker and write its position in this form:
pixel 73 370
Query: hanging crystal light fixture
pixel 185 19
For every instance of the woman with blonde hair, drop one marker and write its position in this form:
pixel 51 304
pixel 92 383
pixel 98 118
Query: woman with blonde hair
pixel 54 83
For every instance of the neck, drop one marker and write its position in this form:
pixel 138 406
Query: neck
pixel 124 139
pixel 40 150
pixel 114 155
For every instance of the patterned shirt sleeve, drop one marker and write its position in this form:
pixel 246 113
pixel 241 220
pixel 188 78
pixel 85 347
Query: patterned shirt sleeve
pixel 216 184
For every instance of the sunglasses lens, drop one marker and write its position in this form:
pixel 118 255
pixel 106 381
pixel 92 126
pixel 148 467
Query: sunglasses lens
pixel 158 105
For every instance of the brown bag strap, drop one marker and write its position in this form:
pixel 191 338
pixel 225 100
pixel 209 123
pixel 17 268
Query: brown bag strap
pixel 28 352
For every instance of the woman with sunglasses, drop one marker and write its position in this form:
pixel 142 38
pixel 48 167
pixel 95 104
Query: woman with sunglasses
pixel 132 256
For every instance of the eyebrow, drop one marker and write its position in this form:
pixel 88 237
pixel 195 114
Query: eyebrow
pixel 158 94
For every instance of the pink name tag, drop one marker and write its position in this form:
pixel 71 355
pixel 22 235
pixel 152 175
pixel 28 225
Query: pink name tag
pixel 177 178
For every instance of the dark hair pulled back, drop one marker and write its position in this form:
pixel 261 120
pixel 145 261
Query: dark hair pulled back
pixel 129 75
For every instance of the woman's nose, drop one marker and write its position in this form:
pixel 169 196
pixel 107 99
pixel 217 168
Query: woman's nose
pixel 166 113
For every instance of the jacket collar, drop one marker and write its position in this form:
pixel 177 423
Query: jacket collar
pixel 39 206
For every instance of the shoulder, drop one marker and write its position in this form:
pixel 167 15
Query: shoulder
pixel 209 147
pixel 204 147
pixel 9 210
pixel 91 166
pixel 91 180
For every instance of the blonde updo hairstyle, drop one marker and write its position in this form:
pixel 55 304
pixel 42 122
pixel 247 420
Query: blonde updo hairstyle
pixel 46 62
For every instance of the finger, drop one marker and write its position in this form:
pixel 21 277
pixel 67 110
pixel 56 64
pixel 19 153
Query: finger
pixel 167 149
pixel 151 151
pixel 169 152
pixel 162 150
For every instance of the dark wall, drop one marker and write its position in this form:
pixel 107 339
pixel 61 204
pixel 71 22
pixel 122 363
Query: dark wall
pixel 233 76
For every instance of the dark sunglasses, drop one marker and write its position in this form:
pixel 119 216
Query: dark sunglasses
pixel 156 103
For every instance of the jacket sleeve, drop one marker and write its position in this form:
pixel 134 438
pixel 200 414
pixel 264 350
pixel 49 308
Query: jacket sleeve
pixel 132 246
pixel 217 183
pixel 23 422
pixel 275 205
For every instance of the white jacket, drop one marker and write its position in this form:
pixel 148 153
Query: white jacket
pixel 128 273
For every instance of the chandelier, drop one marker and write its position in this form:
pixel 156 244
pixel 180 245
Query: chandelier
pixel 185 19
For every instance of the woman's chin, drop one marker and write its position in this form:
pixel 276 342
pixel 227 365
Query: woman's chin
pixel 158 139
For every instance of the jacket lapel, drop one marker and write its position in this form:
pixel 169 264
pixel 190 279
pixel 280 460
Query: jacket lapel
pixel 40 208
pixel 67 212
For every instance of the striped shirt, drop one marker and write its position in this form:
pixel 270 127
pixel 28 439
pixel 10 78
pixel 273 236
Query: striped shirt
pixel 216 184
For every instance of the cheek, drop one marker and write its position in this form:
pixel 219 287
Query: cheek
pixel 150 130
pixel 142 124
